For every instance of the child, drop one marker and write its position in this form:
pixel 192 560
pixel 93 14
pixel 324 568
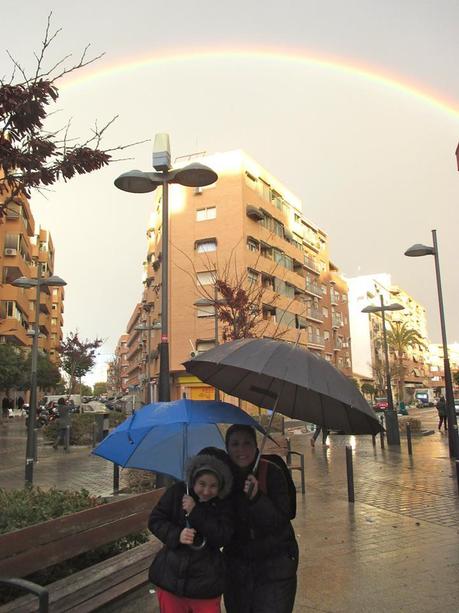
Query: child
pixel 194 521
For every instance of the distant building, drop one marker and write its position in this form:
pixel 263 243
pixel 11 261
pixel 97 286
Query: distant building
pixel 22 252
pixel 366 332
pixel 251 226
pixel 437 378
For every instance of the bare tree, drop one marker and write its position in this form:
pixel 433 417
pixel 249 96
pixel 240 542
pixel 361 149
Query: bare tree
pixel 30 155
pixel 239 301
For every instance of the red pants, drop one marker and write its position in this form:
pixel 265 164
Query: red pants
pixel 169 603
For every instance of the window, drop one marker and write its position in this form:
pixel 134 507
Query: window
pixel 326 335
pixel 206 278
pixel 325 311
pixel 252 276
pixel 252 244
pixel 269 313
pixel 267 281
pixel 206 311
pixel 54 321
pixel 54 306
pixel 207 213
pixel 31 306
pixel 55 292
pixel 266 251
pixel 206 246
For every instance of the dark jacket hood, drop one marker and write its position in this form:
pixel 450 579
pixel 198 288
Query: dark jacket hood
pixel 212 464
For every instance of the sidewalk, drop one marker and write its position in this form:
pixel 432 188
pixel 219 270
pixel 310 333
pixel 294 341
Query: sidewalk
pixel 395 549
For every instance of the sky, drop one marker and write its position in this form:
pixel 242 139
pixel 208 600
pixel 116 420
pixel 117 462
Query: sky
pixel 353 105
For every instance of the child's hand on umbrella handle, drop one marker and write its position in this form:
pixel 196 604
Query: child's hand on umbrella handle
pixel 187 536
pixel 251 487
pixel 188 503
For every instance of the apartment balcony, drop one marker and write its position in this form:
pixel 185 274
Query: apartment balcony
pixel 337 321
pixel 317 340
pixel 334 297
pixel 315 315
pixel 11 330
pixel 313 288
pixel 338 344
pixel 311 264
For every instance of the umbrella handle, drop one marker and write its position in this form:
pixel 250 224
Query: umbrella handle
pixel 203 543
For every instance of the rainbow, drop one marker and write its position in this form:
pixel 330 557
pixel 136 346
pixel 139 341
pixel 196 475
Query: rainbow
pixel 292 56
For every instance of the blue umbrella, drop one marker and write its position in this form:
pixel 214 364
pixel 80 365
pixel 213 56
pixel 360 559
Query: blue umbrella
pixel 161 436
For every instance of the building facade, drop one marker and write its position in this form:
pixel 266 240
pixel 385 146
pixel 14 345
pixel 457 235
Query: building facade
pixel 366 333
pixel 23 252
pixel 248 229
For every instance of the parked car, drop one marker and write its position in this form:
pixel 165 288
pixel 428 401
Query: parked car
pixel 380 404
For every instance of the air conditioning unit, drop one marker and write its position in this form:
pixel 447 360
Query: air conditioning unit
pixel 9 251
pixel 198 190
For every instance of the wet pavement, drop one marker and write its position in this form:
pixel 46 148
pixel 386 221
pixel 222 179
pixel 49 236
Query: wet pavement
pixel 395 549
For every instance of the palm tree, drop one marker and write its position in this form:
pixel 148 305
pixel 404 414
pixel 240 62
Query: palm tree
pixel 401 337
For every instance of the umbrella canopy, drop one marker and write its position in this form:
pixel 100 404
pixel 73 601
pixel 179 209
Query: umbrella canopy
pixel 161 436
pixel 298 383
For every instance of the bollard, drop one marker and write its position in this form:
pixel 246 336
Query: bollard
pixel 373 439
pixel 94 437
pixel 408 439
pixel 381 434
pixel 350 474
pixel 67 438
pixel 116 479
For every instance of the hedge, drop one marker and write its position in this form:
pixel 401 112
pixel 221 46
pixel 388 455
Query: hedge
pixel 31 505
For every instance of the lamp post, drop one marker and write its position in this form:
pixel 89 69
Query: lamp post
pixel 38 283
pixel 416 251
pixel 393 433
pixel 139 182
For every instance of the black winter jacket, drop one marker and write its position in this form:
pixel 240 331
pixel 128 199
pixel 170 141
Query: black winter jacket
pixel 179 569
pixel 262 525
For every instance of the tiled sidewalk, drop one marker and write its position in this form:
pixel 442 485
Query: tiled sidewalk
pixel 395 549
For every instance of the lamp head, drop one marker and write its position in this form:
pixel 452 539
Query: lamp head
pixel 24 282
pixel 419 250
pixel 162 152
pixel 195 175
pixel 135 182
pixel 53 281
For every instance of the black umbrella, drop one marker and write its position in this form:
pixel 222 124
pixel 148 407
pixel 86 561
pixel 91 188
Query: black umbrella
pixel 286 378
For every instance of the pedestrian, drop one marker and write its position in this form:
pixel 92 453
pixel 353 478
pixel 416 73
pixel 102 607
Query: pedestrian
pixel 441 408
pixel 194 520
pixel 262 557
pixel 315 436
pixel 20 404
pixel 5 408
pixel 63 425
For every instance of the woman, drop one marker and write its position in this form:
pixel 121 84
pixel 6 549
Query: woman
pixel 262 557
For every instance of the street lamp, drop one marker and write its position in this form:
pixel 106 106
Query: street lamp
pixel 148 327
pixel 139 182
pixel 393 433
pixel 38 283
pixel 418 251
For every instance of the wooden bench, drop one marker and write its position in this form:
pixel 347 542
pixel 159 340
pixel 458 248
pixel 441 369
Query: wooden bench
pixel 25 551
pixel 280 445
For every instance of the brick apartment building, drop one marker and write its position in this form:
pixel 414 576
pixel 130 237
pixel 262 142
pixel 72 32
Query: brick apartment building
pixel 251 226
pixel 22 251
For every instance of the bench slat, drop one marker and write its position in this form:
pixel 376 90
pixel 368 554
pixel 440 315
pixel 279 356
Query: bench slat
pixel 58 529
pixel 93 582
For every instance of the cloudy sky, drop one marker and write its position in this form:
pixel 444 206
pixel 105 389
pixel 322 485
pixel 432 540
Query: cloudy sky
pixel 353 105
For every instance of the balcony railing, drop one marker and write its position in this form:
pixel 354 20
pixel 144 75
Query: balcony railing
pixel 315 314
pixel 337 321
pixel 313 288
pixel 316 339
